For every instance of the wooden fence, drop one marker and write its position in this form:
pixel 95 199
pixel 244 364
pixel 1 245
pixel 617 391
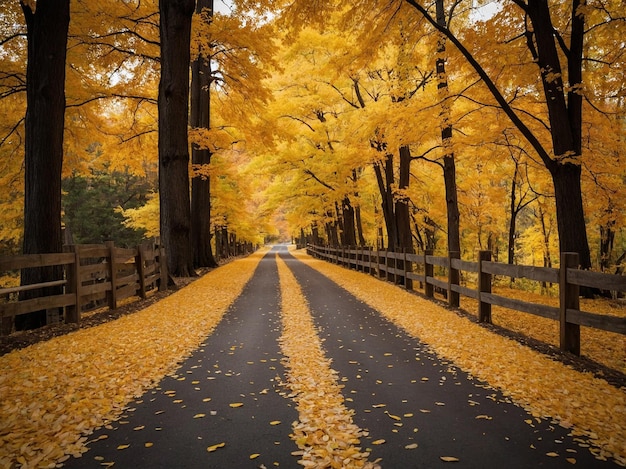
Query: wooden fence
pixel 91 276
pixel 404 268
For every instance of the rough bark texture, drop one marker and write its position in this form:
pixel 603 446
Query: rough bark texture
pixel 201 186
pixel 43 159
pixel 565 115
pixel 175 27
pixel 449 166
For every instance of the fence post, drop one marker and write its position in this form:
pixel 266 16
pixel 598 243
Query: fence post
pixel 453 279
pixel 484 286
pixel 429 270
pixel 72 312
pixel 568 299
pixel 112 275
pixel 140 268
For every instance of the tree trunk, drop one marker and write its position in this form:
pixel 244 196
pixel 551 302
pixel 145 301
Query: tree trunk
pixel 449 166
pixel 385 185
pixel 348 223
pixel 43 159
pixel 565 123
pixel 201 80
pixel 175 28
pixel 402 215
pixel 513 222
pixel 569 211
pixel 359 225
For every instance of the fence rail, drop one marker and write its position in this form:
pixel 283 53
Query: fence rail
pixel 404 268
pixel 90 277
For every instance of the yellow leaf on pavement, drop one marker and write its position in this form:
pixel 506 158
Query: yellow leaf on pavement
pixel 212 448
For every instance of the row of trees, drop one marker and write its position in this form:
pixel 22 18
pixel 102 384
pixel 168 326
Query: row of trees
pixel 109 57
pixel 437 125
pixel 521 112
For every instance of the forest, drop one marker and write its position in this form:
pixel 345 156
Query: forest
pixel 449 125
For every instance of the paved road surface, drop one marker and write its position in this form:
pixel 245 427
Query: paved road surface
pixel 400 392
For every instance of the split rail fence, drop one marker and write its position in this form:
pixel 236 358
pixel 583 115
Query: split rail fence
pixel 90 276
pixel 404 268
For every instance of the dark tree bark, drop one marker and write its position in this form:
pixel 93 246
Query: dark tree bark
pixel 403 217
pixel 349 229
pixel 385 179
pixel 201 80
pixel 449 165
pixel 45 113
pixel 565 113
pixel 175 27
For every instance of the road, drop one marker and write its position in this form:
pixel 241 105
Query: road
pixel 229 396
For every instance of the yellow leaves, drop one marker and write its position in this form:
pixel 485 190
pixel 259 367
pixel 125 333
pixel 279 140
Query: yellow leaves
pixel 213 448
pixel 255 455
pixel 235 405
pixel 379 442
pixel 148 444
pixel 275 422
pixel 411 446
pixel 449 459
pixel 199 416
pixel 120 447
pixel 95 387
pixel 393 417
pixel 543 386
pixel 325 432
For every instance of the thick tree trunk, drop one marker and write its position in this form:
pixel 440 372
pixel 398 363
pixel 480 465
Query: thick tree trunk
pixel 403 217
pixel 569 211
pixel 201 185
pixel 348 223
pixel 43 159
pixel 449 166
pixel 175 27
pixel 385 184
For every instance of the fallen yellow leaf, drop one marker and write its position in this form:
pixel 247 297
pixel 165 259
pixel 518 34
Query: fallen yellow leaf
pixel 552 454
pixel 212 448
pixel 149 445
pixel 236 404
pixel 199 416
pixel 378 442
pixel 123 446
pixel 275 422
pixel 254 456
pixel 411 446
pixel 449 459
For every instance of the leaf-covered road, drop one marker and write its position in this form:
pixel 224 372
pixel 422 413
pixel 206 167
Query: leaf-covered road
pixel 282 382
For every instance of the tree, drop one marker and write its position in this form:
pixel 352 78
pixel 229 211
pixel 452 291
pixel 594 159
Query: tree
pixel 201 80
pixel 563 90
pixel 47 25
pixel 175 27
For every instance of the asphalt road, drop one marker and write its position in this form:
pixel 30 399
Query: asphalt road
pixel 229 392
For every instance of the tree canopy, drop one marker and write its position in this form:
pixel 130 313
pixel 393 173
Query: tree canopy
pixel 326 121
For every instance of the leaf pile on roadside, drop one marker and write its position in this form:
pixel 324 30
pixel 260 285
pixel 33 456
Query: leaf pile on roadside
pixel 325 432
pixel 593 409
pixel 54 393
